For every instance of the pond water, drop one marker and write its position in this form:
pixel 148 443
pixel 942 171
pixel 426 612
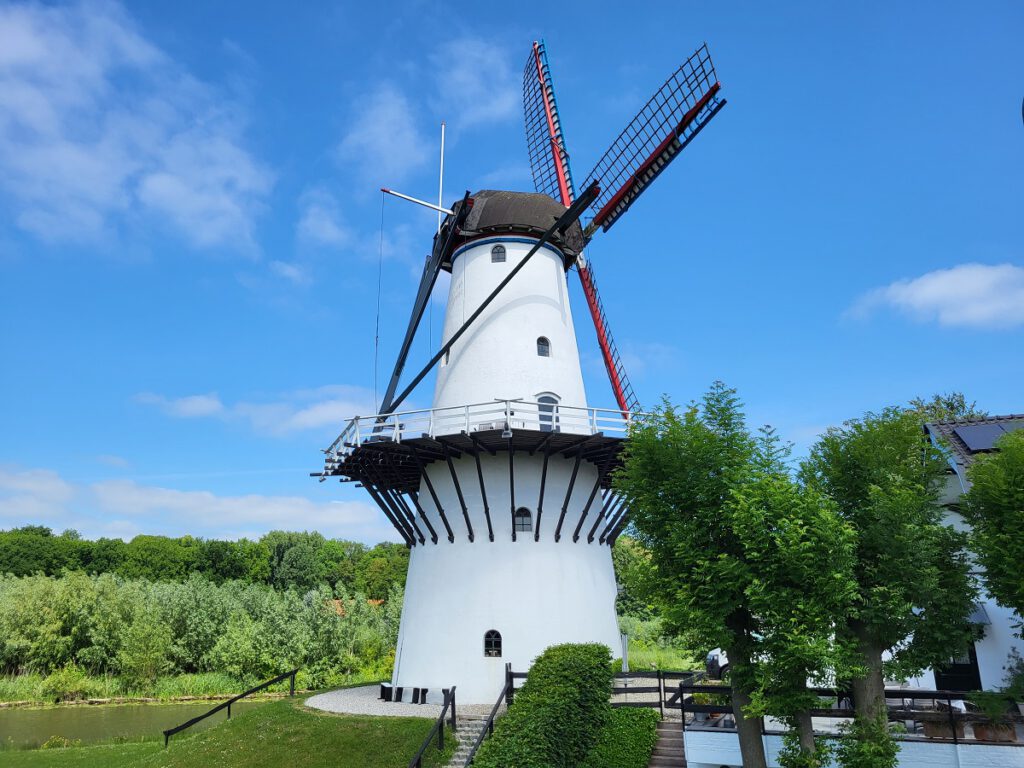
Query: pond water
pixel 29 728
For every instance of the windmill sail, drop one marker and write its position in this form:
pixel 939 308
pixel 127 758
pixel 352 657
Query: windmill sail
pixel 655 137
pixel 549 161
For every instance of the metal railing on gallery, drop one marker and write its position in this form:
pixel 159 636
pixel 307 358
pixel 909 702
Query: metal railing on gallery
pixel 479 417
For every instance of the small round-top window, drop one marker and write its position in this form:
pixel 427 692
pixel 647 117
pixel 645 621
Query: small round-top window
pixel 492 643
pixel 498 253
pixel 543 347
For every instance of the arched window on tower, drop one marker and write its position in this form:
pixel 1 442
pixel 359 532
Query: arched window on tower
pixel 547 409
pixel 524 520
pixel 492 643
pixel 498 253
pixel 543 347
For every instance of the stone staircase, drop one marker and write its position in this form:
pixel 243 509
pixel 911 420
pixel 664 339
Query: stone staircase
pixel 469 729
pixel 668 752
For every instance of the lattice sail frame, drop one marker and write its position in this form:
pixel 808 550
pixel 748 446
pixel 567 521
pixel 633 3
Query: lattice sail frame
pixel 668 122
pixel 545 142
pixel 552 175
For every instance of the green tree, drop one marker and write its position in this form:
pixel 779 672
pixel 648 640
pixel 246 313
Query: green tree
pixel 946 407
pixel 994 506
pixel 633 573
pixel 914 590
pixel 743 558
pixel 144 652
pixel 381 568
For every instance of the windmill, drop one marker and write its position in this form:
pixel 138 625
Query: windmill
pixel 502 488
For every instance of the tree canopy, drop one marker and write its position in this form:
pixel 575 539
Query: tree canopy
pixel 994 505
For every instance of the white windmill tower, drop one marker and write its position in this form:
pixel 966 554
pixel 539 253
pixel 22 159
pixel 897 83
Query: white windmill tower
pixel 501 488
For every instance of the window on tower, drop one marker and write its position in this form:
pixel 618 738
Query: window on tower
pixel 492 643
pixel 498 253
pixel 524 520
pixel 547 410
pixel 543 347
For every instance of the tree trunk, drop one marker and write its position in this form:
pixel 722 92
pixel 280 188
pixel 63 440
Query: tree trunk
pixel 805 730
pixel 868 691
pixel 747 729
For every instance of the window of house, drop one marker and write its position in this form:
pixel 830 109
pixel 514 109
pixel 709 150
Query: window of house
pixel 498 253
pixel 543 347
pixel 492 643
pixel 523 520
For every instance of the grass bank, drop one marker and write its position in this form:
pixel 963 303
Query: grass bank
pixel 278 733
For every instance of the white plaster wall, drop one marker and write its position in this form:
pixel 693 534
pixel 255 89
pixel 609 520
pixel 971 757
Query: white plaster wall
pixel 708 749
pixel 497 357
pixel 535 593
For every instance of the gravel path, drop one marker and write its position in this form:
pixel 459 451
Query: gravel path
pixel 365 701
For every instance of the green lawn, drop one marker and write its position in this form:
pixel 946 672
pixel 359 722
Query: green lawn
pixel 278 733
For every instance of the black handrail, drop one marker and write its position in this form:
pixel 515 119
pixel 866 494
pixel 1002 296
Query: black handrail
pixel 449 701
pixel 227 704
pixel 488 729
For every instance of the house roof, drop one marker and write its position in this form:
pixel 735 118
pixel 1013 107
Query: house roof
pixel 966 438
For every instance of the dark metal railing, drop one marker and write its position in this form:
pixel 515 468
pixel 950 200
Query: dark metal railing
pixel 438 729
pixel 227 704
pixel 506 696
pixel 942 717
pixel 665 683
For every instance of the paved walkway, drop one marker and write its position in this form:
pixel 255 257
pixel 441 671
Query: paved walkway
pixel 365 701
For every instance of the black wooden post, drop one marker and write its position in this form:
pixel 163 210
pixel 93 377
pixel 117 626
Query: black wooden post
pixel 682 705
pixel 952 720
pixel 661 694
pixel 229 710
pixel 454 727
pixel 291 688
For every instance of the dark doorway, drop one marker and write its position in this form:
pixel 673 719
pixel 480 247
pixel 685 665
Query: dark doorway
pixel 960 674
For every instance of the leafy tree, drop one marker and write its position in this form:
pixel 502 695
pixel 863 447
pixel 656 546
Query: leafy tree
pixel 914 591
pixel 743 558
pixel 633 573
pixel 379 569
pixel 994 506
pixel 160 558
pixel 946 407
pixel 144 653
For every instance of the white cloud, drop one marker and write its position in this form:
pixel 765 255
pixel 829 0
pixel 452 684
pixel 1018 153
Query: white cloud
pixel 383 140
pixel 156 508
pixel 292 272
pixel 965 296
pixel 324 408
pixel 124 508
pixel 30 496
pixel 190 407
pixel 476 83
pixel 98 126
pixel 320 222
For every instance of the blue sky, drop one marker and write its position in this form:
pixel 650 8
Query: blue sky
pixel 190 227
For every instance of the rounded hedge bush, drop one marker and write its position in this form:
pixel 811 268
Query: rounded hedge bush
pixel 558 715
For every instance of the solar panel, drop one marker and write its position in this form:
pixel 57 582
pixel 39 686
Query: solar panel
pixel 1012 426
pixel 979 437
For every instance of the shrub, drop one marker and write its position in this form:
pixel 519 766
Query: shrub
pixel 867 744
pixel 626 741
pixel 558 714
pixel 67 684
